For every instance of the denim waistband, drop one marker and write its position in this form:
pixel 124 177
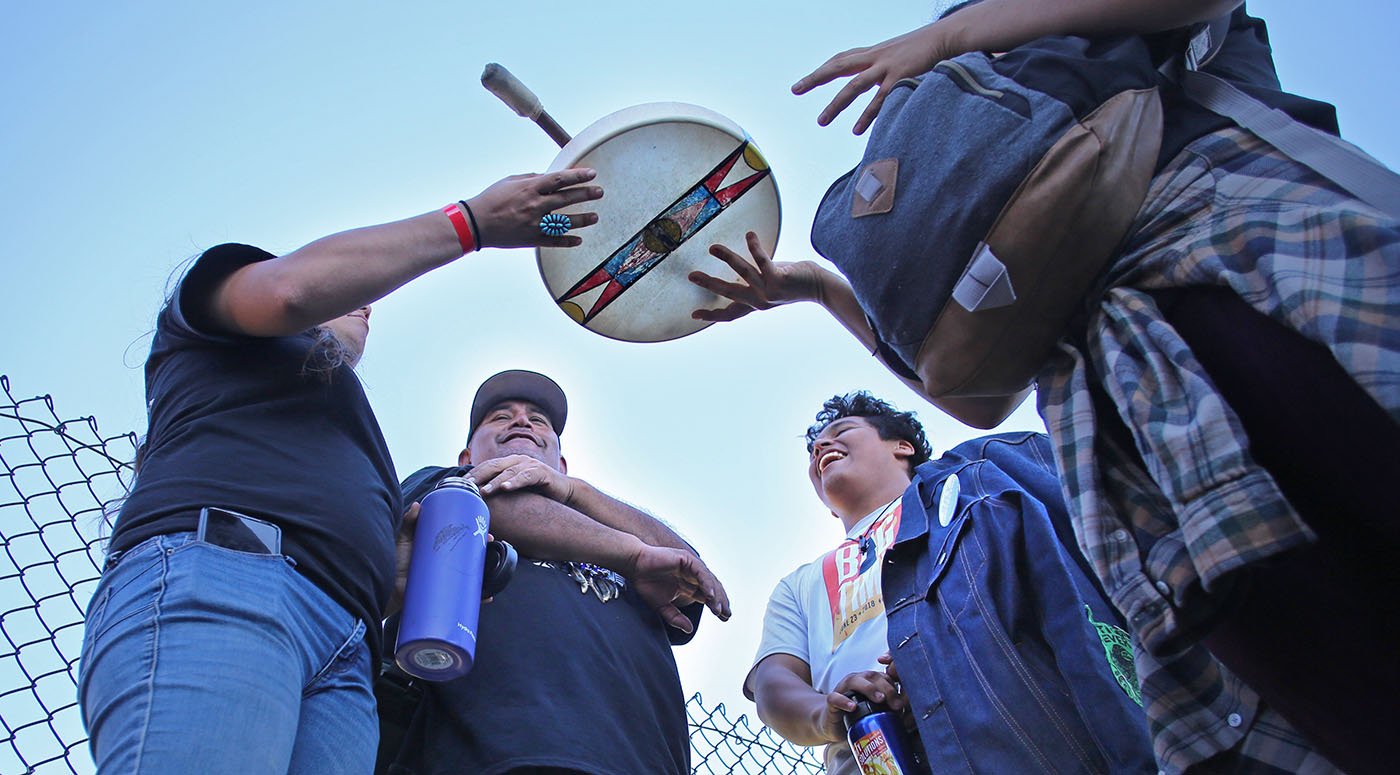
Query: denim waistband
pixel 176 540
pixel 168 540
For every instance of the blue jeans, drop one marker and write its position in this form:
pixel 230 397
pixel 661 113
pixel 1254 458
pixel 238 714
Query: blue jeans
pixel 198 658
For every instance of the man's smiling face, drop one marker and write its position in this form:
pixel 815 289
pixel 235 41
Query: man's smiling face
pixel 515 428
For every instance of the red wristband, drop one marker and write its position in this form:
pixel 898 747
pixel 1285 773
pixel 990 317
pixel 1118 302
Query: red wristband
pixel 464 231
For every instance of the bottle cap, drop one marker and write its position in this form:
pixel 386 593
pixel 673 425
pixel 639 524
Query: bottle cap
pixel 458 481
pixel 864 708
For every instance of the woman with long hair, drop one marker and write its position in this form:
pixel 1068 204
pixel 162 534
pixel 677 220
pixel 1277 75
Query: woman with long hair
pixel 237 620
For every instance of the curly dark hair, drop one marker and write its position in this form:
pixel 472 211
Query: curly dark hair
pixel 890 423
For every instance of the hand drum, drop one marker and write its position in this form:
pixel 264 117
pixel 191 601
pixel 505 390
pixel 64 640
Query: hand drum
pixel 677 178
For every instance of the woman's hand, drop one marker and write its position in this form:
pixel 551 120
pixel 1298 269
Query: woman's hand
pixel 880 66
pixel 764 283
pixel 508 213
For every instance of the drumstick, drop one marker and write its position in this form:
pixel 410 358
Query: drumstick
pixel 518 98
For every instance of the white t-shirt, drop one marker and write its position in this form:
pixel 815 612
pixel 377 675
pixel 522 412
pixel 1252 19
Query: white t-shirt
pixel 830 613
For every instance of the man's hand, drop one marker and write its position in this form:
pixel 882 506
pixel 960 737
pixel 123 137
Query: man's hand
pixel 910 723
pixel 764 284
pixel 403 554
pixel 669 578
pixel 872 685
pixel 520 472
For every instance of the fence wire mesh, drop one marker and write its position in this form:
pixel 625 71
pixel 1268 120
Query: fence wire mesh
pixel 60 479
pixel 59 475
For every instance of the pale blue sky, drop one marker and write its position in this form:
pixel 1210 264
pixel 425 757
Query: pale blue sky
pixel 136 134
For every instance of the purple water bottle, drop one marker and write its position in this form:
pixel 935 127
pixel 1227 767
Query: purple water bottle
pixel 437 631
pixel 879 742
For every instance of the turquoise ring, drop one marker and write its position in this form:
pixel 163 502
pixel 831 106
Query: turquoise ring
pixel 555 225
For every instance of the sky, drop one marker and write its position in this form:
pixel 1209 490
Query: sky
pixel 134 135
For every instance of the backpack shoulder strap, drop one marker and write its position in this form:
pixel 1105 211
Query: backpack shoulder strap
pixel 1332 157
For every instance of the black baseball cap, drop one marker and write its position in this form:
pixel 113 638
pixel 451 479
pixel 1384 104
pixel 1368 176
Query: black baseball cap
pixel 520 385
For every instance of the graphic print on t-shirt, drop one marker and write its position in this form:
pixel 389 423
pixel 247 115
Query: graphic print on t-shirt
pixel 852 575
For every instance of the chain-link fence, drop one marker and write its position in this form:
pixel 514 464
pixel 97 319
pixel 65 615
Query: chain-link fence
pixel 59 479
pixel 58 475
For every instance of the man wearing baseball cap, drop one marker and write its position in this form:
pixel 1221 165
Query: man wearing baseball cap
pixel 574 671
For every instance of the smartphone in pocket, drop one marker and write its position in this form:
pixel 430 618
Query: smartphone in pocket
pixel 239 532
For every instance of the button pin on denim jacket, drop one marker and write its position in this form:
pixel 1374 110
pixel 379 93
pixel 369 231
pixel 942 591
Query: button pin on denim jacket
pixel 948 501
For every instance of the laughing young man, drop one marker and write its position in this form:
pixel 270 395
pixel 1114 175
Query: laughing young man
pixel 1003 648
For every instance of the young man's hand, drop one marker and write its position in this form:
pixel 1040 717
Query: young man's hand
pixel 872 685
pixel 763 283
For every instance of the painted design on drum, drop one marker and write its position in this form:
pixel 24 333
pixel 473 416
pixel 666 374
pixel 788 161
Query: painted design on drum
pixel 664 233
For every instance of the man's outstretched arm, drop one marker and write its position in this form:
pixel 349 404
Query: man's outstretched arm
pixel 764 284
pixel 667 578
pixel 519 475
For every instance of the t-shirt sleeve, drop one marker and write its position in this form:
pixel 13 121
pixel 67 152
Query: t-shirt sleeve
pixel 188 314
pixel 784 628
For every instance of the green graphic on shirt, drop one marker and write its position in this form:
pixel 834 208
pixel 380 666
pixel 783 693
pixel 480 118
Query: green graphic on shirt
pixel 1118 648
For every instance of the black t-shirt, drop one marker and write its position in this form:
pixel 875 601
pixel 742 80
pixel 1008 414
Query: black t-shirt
pixel 1246 61
pixel 561 679
pixel 236 422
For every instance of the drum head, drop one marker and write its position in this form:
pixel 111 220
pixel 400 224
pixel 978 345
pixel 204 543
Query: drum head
pixel 676 178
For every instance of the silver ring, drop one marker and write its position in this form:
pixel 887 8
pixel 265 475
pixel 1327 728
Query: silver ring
pixel 555 225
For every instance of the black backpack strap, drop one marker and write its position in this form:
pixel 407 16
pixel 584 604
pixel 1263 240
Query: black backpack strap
pixel 397 695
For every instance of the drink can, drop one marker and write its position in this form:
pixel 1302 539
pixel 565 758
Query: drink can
pixel 879 742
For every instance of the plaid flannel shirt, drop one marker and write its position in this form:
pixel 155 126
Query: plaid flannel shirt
pixel 1166 496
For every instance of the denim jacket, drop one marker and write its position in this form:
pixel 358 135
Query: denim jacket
pixel 1012 658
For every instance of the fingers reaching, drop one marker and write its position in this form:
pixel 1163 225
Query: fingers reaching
pixel 552 182
pixel 842 64
pixel 761 256
pixel 873 685
pixel 761 283
pixel 746 270
pixel 717 286
pixel 878 67
pixel 725 314
pixel 521 210
pixel 867 117
pixel 843 99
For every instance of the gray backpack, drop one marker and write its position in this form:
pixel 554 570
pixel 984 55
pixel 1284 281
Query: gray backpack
pixel 994 191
